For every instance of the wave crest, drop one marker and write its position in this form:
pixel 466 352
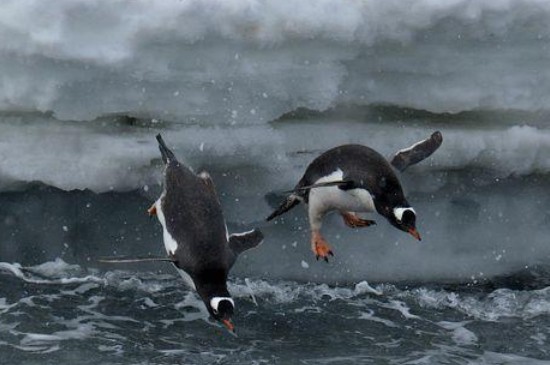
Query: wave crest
pixel 252 61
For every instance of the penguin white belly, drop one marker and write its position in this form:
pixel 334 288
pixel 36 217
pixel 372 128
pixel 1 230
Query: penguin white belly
pixel 333 198
pixel 170 243
pixel 324 199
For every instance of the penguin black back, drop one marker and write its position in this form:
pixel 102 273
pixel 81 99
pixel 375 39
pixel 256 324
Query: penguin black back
pixel 361 166
pixel 195 219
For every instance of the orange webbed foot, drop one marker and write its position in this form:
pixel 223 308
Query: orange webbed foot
pixel 320 247
pixel 353 221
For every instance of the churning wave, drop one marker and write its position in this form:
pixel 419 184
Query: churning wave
pixel 490 300
pixel 129 316
pixel 252 91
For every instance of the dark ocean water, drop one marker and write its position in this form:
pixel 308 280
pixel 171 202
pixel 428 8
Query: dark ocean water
pixel 61 313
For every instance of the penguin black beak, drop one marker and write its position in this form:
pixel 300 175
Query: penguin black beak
pixel 413 232
pixel 230 326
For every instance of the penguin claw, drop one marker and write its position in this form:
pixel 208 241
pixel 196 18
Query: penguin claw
pixel 320 247
pixel 353 221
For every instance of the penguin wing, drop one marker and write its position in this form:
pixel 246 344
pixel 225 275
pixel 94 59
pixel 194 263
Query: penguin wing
pixel 417 152
pixel 342 184
pixel 240 242
pixel 130 259
pixel 290 202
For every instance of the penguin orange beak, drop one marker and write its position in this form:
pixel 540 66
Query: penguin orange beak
pixel 227 323
pixel 413 232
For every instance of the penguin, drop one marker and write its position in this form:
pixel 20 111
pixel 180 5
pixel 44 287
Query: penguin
pixel 195 234
pixel 353 179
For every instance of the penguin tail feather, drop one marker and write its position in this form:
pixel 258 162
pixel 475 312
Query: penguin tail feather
pixel 290 202
pixel 165 152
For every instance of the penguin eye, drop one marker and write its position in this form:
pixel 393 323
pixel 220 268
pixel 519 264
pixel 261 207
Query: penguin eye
pixel 398 214
pixel 215 303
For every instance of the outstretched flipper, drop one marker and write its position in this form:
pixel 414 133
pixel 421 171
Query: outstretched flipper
pixel 342 184
pixel 167 155
pixel 240 242
pixel 290 202
pixel 417 152
pixel 126 259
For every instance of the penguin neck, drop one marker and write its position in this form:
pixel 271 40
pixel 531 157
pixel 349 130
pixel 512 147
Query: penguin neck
pixel 213 292
pixel 386 207
pixel 212 284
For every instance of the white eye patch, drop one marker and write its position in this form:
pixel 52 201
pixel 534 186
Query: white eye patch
pixel 215 302
pixel 398 213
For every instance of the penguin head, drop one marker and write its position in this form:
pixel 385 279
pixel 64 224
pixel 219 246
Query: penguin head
pixel 212 288
pixel 404 218
pixel 221 308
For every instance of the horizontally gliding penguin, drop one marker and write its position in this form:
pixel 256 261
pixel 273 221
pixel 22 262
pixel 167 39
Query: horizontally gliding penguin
pixel 195 234
pixel 354 179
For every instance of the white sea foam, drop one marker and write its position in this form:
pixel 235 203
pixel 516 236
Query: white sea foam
pixel 461 336
pixel 53 268
pixel 364 287
pixel 490 358
pixel 501 303
pixel 37 339
pixel 369 315
pixel 287 292
pixel 401 308
pixel 81 280
pixel 4 306
pixel 109 318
